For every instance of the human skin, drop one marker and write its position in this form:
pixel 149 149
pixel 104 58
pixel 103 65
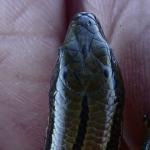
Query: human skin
pixel 30 34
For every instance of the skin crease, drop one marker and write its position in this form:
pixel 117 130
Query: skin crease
pixel 30 34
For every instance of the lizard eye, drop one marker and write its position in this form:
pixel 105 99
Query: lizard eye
pixel 89 23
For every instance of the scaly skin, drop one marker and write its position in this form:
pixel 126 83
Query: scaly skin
pixel 146 145
pixel 87 94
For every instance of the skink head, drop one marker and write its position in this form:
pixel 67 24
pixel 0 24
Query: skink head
pixel 85 36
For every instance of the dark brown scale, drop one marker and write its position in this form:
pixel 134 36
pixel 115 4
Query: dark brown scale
pixel 87 94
